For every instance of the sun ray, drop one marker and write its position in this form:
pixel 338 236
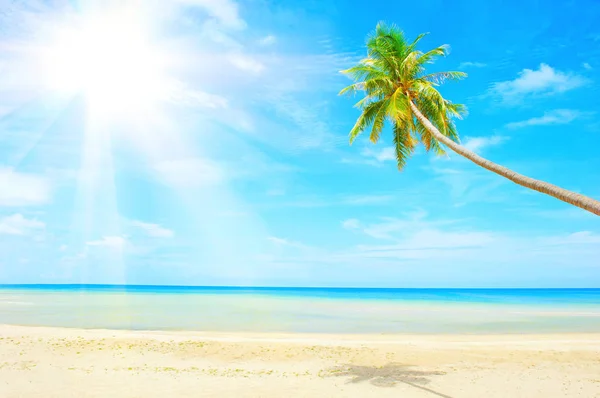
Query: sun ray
pixel 24 127
pixel 96 214
pixel 226 230
pixel 111 60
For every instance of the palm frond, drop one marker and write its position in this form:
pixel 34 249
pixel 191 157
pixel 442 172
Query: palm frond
pixel 404 143
pixel 379 122
pixel 365 119
pixel 458 111
pixel 431 55
pixel 391 76
pixel 413 45
pixel 352 89
pixel 363 71
pixel 441 77
pixel 429 141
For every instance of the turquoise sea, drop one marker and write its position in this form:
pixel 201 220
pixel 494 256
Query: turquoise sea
pixel 312 310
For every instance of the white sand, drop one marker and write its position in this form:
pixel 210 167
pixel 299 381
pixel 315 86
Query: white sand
pixel 53 362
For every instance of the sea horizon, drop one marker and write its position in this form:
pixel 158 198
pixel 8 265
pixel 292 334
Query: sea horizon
pixel 142 285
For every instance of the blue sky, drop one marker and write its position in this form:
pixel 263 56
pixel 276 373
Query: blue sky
pixel 240 173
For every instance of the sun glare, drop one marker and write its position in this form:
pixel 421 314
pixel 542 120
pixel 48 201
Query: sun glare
pixel 111 60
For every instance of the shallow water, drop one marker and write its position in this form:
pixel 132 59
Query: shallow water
pixel 478 311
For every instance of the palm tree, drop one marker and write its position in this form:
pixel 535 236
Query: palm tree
pixel 399 91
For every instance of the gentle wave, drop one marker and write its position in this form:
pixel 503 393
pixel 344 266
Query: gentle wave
pixel 16 302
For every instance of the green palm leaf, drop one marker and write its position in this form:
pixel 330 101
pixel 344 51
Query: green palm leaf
pixel 391 77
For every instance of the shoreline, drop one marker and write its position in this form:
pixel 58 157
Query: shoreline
pixel 301 336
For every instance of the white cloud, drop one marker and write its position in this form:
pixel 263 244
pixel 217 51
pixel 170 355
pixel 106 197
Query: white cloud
pixel 564 214
pixel 189 172
pixel 581 237
pixel 415 236
pixel 470 247
pixel 111 242
pixel 20 189
pixel 267 40
pixel 469 64
pixel 351 223
pixel 543 81
pixel 278 241
pixel 587 66
pixel 246 63
pixel 441 252
pixel 153 230
pixel 372 157
pixel 182 95
pixel 19 225
pixel 389 227
pixel 385 154
pixel 430 243
pixel 286 242
pixel 557 116
pixel 224 11
pixel 478 144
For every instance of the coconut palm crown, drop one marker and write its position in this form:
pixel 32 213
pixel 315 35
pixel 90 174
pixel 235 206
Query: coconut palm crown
pixel 397 89
pixel 393 75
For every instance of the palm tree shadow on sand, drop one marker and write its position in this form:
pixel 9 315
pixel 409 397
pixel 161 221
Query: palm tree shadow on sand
pixel 388 376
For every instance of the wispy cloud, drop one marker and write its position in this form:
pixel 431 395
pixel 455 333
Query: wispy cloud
pixel 372 157
pixel 469 64
pixel 430 243
pixel 351 223
pixel 557 116
pixel 111 242
pixel 226 12
pixel 383 155
pixel 543 81
pixel 190 172
pixel 479 144
pixel 22 189
pixel 286 242
pixel 153 230
pixel 390 228
pixel 181 94
pixel 416 236
pixel 468 184
pixel 17 224
pixel 246 63
pixel 587 66
pixel 579 238
pixel 452 247
pixel 313 131
pixel 563 214
pixel 268 40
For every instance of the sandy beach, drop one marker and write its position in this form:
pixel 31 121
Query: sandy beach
pixel 56 362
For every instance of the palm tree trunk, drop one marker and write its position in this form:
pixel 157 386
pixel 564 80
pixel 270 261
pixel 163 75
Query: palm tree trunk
pixel 573 198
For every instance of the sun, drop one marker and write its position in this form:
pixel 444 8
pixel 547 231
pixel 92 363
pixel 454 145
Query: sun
pixel 109 58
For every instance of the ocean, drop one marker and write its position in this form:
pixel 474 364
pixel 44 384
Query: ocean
pixel 306 310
